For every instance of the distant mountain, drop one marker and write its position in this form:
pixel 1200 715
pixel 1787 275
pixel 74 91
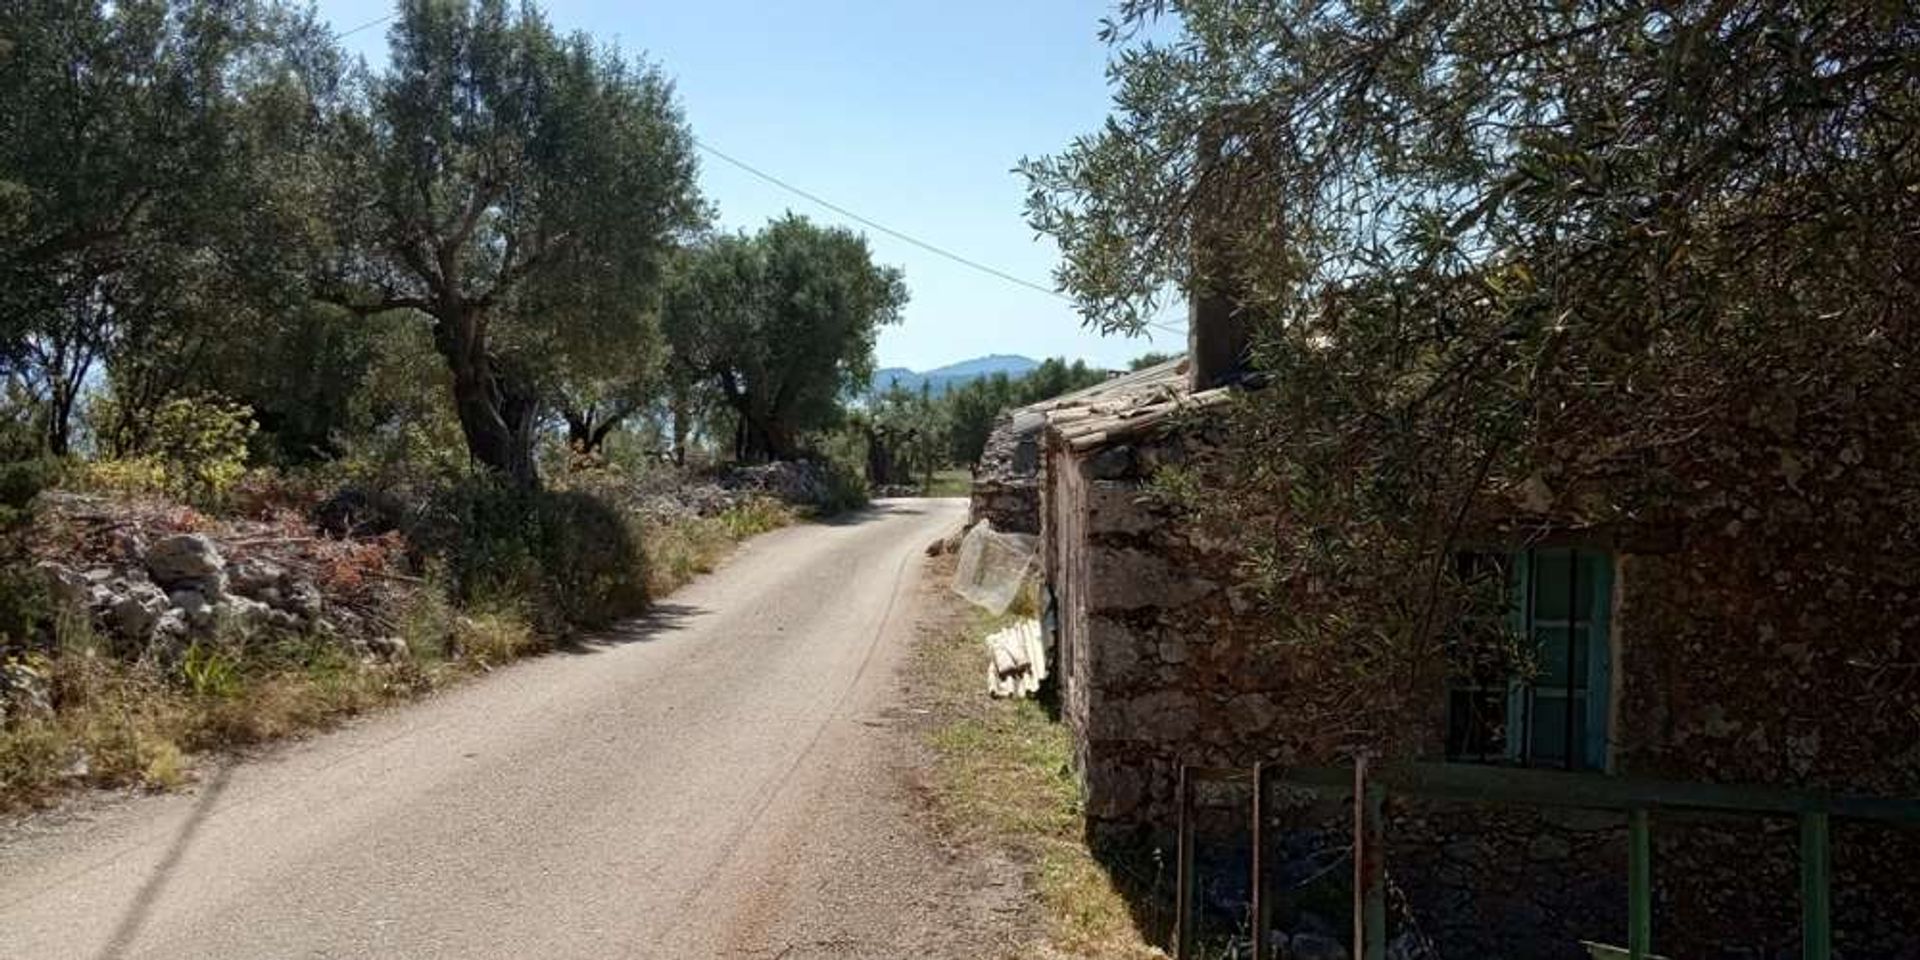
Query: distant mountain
pixel 942 379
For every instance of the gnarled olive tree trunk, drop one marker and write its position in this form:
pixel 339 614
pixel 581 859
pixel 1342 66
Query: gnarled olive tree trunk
pixel 498 412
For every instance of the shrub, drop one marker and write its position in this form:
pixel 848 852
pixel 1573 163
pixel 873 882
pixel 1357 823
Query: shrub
pixel 568 556
pixel 24 605
pixel 846 489
pixel 492 638
pixel 195 449
pixel 21 480
pixel 210 673
pixel 426 619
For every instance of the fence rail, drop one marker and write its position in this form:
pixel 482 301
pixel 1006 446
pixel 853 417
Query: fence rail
pixel 1639 799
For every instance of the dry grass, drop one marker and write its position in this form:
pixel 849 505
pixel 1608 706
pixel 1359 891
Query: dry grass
pixel 1002 777
pixel 678 552
pixel 135 724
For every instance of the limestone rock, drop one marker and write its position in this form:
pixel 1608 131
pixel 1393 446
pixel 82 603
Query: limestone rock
pixel 69 587
pixel 249 578
pixel 387 647
pixel 302 599
pixel 187 560
pixel 134 612
pixel 130 547
pixel 172 625
pixel 193 607
pixel 25 691
pixel 247 613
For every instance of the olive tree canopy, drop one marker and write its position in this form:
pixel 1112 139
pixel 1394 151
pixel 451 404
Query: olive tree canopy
pixel 519 190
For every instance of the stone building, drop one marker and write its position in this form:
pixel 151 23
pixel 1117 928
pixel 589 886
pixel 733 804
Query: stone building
pixel 1669 654
pixel 1007 480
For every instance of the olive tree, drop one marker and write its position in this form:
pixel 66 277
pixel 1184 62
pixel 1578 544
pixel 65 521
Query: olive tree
pixel 783 325
pixel 518 190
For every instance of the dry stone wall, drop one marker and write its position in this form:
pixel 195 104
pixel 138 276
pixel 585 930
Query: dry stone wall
pixel 1006 481
pixel 1737 665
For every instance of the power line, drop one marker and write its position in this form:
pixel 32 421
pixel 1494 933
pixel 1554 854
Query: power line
pixel 365 26
pixel 883 228
pixel 898 235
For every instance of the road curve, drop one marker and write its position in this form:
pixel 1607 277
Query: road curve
pixel 630 799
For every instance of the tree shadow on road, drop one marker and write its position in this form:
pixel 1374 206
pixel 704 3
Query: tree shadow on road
pixel 141 907
pixel 877 510
pixel 660 620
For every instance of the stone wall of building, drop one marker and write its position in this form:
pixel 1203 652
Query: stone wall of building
pixel 1729 670
pixel 1006 480
pixel 1157 666
pixel 1010 507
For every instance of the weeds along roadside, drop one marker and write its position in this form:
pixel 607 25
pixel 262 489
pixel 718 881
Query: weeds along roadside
pixel 1001 777
pixel 518 577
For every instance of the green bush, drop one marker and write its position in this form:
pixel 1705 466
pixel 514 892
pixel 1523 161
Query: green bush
pixel 194 449
pixel 25 607
pixel 846 489
pixel 569 558
pixel 21 480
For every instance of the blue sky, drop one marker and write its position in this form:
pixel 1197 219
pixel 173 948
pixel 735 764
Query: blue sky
pixel 908 112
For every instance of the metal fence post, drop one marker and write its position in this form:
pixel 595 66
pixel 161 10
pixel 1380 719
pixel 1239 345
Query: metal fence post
pixel 1183 873
pixel 1816 875
pixel 1369 868
pixel 1258 886
pixel 1639 885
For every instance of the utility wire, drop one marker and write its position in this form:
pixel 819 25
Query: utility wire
pixel 883 228
pixel 370 24
pixel 898 235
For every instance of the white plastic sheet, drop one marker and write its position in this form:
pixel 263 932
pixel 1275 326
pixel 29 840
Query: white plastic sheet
pixel 993 565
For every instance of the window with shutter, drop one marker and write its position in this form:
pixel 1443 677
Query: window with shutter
pixel 1557 714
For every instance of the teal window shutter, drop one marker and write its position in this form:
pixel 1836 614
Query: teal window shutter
pixel 1519 693
pixel 1598 567
pixel 1556 714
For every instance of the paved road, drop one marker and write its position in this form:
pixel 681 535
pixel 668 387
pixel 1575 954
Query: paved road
pixel 683 788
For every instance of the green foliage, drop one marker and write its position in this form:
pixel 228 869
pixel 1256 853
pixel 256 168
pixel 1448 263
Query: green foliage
pixel 520 189
pixel 426 619
pixel 195 448
pixel 971 408
pixel 209 672
pixel 135 138
pixel 756 516
pixel 25 607
pixel 201 445
pixel 846 489
pixel 782 325
pixel 569 557
pixel 22 480
pixel 1514 271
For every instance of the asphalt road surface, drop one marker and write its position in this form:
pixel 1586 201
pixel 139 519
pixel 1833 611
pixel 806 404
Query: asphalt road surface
pixel 704 782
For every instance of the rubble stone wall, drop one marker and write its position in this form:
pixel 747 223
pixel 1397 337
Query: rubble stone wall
pixel 1007 480
pixel 1012 507
pixel 1729 671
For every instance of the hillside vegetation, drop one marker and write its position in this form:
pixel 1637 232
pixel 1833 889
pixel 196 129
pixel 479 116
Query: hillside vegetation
pixel 325 384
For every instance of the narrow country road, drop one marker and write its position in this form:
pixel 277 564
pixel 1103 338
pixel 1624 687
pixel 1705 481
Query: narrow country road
pixel 705 782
